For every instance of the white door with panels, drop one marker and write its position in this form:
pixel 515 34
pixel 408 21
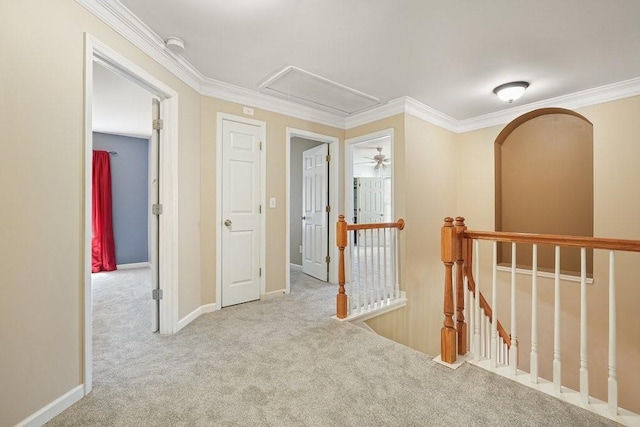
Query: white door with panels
pixel 315 196
pixel 370 204
pixel 241 211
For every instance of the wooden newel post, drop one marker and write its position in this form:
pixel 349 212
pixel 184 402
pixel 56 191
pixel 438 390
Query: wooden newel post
pixel 461 325
pixel 341 242
pixel 448 331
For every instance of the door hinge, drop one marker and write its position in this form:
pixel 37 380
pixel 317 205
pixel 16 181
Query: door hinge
pixel 328 209
pixel 260 271
pixel 260 209
pixel 328 157
pixel 158 124
pixel 327 259
pixel 156 294
pixel 156 209
pixel 260 145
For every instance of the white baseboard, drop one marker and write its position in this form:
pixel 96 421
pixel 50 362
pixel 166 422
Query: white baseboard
pixel 54 408
pixel 133 265
pixel 273 294
pixel 207 308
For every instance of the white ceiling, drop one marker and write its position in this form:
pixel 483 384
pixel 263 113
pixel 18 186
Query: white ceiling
pixel 448 55
pixel 119 106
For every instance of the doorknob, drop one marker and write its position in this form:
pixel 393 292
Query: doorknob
pixel 303 218
pixel 227 222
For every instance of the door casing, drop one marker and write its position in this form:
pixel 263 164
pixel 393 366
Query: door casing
pixel 334 199
pixel 96 51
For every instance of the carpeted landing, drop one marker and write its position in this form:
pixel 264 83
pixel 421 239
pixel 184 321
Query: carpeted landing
pixel 283 362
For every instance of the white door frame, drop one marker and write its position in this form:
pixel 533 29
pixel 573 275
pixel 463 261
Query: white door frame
pixel 263 192
pixel 334 188
pixel 168 250
pixel 348 176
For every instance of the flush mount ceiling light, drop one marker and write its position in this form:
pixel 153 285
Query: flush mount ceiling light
pixel 511 91
pixel 175 44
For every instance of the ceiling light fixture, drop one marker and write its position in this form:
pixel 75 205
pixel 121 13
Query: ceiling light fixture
pixel 511 91
pixel 175 44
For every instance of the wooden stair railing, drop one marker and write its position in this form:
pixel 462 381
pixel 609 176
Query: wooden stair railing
pixel 457 250
pixel 342 229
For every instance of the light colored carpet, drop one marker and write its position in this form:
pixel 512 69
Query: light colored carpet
pixel 283 362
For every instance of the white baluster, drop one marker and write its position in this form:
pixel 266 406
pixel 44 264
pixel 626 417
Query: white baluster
pixel 584 373
pixel 534 316
pixel 396 267
pixel 613 376
pixel 467 310
pixel 472 321
pixel 386 296
pixel 348 273
pixel 513 351
pixel 483 326
pixel 359 271
pixel 476 335
pixel 494 307
pixel 378 276
pixel 557 366
pixel 372 294
pixel 487 337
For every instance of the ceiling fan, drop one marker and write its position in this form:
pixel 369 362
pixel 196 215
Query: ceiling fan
pixel 379 159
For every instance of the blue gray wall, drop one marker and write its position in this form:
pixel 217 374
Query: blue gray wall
pixel 130 188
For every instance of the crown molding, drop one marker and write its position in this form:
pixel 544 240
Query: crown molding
pixel 240 95
pixel 124 22
pixel 572 101
pixel 428 114
pixel 389 109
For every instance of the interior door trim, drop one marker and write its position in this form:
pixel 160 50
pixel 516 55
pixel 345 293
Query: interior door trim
pixel 334 199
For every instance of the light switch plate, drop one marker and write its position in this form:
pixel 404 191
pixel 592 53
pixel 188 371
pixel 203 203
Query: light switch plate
pixel 272 202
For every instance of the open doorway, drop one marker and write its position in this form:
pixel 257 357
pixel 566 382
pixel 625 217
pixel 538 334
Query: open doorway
pixel 312 204
pixel 165 164
pixel 123 227
pixel 369 181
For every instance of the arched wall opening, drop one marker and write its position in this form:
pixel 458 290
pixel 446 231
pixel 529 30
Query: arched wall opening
pixel 544 184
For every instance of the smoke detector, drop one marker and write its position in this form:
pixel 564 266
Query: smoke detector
pixel 175 44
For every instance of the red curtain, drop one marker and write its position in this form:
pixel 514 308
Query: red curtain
pixel 103 250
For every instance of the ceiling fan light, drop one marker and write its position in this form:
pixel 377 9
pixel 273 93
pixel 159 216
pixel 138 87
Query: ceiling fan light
pixel 509 92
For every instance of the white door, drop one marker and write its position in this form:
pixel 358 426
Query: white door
pixel 314 212
pixel 154 228
pixel 370 205
pixel 241 197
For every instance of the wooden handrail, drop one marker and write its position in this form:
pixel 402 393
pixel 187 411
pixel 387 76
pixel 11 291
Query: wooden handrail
pixel 342 229
pixel 457 248
pixel 374 225
pixel 556 239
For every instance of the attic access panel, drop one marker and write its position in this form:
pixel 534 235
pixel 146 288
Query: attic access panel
pixel 304 87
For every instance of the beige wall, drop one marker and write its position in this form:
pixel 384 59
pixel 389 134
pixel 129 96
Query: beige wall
pixel 41 186
pixel 616 200
pixel 276 187
pixel 425 192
